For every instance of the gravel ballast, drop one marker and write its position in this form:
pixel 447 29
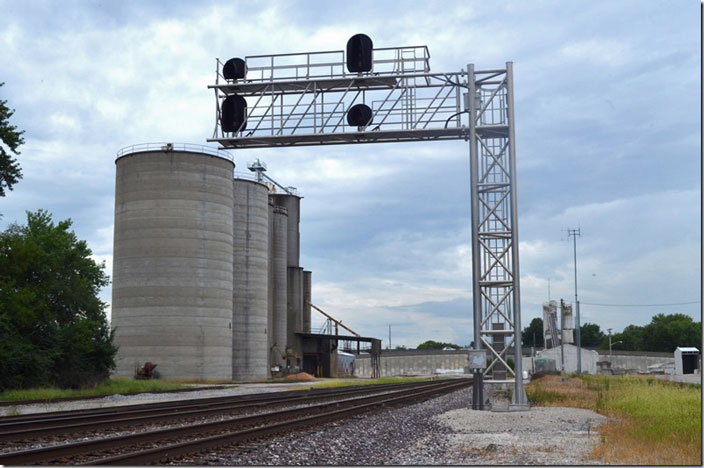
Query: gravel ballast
pixel 441 431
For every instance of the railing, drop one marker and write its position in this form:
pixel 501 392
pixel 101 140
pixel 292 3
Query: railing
pixel 331 64
pixel 272 187
pixel 167 147
pixel 246 176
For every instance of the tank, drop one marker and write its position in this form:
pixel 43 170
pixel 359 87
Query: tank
pixel 307 283
pixel 292 203
pixel 250 234
pixel 270 292
pixel 294 314
pixel 280 295
pixel 172 263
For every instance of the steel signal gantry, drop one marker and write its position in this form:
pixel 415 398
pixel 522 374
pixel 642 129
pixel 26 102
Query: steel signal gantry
pixel 390 95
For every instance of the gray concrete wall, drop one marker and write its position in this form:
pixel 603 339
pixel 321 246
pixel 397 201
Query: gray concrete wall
pixel 250 280
pixel 413 362
pixel 636 362
pixel 172 264
pixel 620 360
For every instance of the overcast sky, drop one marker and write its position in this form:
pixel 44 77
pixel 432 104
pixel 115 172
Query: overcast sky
pixel 607 134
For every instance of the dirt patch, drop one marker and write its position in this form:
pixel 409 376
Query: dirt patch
pixel 301 376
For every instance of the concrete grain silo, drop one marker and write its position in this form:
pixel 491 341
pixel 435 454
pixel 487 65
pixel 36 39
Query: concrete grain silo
pixel 270 291
pixel 172 262
pixel 294 312
pixel 250 213
pixel 307 283
pixel 279 285
pixel 292 203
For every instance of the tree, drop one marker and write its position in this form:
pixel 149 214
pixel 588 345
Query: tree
pixel 631 339
pixel 10 171
pixel 535 329
pixel 590 335
pixel 430 344
pixel 664 333
pixel 53 328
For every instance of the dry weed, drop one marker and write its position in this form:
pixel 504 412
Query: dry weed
pixel 649 422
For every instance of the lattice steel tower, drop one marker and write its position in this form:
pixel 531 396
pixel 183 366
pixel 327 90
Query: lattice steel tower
pixel 380 95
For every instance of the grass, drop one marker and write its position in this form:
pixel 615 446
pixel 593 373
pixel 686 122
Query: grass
pixel 354 382
pixel 127 386
pixel 113 386
pixel 650 421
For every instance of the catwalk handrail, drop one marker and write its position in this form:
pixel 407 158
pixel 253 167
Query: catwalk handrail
pixel 168 147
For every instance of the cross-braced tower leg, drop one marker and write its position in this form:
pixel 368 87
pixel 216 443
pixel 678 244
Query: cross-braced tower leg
pixel 495 268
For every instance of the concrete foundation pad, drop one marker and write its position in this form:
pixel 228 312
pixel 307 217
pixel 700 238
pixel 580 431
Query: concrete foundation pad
pixel 518 407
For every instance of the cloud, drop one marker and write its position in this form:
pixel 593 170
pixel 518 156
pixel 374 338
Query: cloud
pixel 607 138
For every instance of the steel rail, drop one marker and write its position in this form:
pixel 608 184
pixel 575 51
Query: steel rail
pixel 65 451
pixel 44 424
pixel 184 448
pixel 140 406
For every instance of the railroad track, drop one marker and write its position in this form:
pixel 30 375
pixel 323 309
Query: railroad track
pixel 162 444
pixel 32 426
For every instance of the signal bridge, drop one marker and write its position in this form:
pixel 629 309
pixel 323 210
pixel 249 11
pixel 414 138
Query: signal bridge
pixel 368 95
pixel 311 99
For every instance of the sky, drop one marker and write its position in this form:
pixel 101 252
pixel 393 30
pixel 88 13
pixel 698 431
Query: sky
pixel 608 140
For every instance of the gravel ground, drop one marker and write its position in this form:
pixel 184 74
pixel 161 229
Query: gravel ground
pixel 442 431
pixel 541 436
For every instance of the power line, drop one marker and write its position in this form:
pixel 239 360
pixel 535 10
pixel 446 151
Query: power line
pixel 642 305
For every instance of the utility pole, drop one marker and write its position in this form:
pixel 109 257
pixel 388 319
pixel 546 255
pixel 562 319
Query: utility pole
pixel 574 233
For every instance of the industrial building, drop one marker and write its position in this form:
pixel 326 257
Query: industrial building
pixel 555 333
pixel 207 282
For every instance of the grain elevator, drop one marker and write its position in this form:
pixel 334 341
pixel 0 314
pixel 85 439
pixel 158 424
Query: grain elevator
pixel 207 281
